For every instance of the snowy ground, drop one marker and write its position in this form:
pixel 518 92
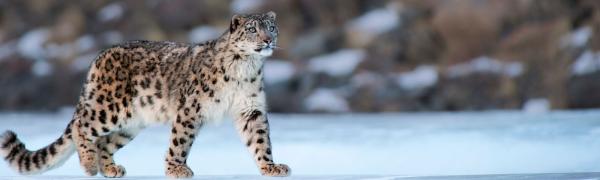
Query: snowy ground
pixel 368 146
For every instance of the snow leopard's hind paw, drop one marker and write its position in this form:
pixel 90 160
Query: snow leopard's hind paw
pixel 113 171
pixel 276 170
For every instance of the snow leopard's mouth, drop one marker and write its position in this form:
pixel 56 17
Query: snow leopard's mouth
pixel 264 51
pixel 259 49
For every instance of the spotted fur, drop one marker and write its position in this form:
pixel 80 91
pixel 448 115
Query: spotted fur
pixel 132 85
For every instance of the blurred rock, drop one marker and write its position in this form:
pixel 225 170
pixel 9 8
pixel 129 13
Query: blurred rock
pixel 70 24
pixel 481 91
pixel 466 29
pixel 583 91
pixel 362 30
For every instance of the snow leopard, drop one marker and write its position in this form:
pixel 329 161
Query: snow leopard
pixel 138 83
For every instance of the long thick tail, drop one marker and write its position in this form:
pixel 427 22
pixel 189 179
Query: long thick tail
pixel 35 162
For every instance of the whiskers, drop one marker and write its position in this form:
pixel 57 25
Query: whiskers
pixel 277 47
pixel 274 47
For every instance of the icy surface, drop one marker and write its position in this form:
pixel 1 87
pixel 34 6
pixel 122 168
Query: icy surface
pixel 422 77
pixel 339 63
pixel 544 176
pixel 367 146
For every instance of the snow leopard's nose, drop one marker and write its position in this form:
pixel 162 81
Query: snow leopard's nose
pixel 268 40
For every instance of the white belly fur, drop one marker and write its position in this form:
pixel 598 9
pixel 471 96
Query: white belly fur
pixel 152 114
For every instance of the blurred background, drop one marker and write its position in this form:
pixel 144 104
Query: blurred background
pixel 336 56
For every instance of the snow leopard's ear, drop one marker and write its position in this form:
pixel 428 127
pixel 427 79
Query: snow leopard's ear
pixel 236 21
pixel 271 14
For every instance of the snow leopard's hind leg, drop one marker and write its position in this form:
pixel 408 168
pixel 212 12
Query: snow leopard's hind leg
pixel 90 125
pixel 86 149
pixel 107 146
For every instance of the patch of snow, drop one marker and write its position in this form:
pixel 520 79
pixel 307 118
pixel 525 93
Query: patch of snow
pixel 577 38
pixel 422 77
pixel 377 21
pixel 110 12
pixel 340 63
pixel 112 37
pixel 7 49
pixel 41 68
pixel 539 105
pixel 326 100
pixel 203 33
pixel 513 69
pixel 485 64
pixel 85 43
pixel 31 44
pixel 246 6
pixel 83 62
pixel 277 71
pixel 586 63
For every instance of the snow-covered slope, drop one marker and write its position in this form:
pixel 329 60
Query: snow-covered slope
pixel 388 146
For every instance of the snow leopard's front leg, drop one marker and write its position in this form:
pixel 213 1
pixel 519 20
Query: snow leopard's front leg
pixel 253 127
pixel 183 134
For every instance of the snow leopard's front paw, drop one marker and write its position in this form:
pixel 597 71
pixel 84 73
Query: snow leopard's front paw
pixel 179 171
pixel 279 170
pixel 113 171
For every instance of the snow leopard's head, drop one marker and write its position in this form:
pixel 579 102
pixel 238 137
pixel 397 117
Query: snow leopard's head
pixel 254 33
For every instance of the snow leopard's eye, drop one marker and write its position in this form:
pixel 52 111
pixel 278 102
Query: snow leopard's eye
pixel 252 29
pixel 272 28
